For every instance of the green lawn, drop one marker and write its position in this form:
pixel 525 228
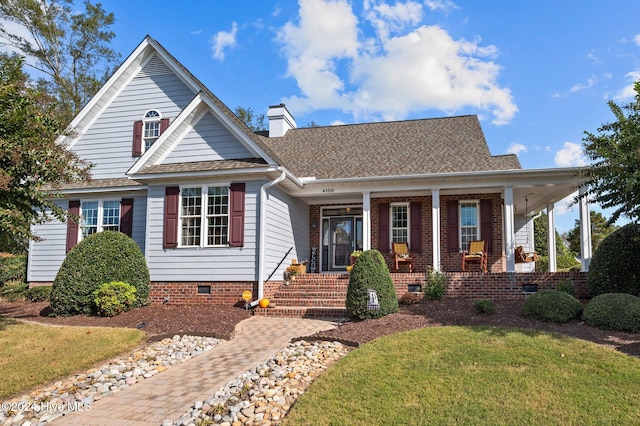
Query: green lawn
pixel 467 375
pixel 32 355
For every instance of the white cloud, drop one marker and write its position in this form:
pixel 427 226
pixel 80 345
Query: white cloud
pixel 196 32
pixel 636 39
pixel 628 92
pixel 223 40
pixel 579 87
pixel 570 155
pixel 403 68
pixel 516 148
pixel 444 5
pixel 387 19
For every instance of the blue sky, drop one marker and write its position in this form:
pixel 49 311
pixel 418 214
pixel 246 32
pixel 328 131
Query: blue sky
pixel 538 74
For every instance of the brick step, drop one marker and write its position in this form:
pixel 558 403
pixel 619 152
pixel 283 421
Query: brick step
pixel 318 282
pixel 315 312
pixel 300 301
pixel 311 293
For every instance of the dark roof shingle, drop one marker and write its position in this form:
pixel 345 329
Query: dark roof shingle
pixel 412 147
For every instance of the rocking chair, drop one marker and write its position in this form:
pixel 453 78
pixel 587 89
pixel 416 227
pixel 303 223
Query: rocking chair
pixel 401 254
pixel 477 253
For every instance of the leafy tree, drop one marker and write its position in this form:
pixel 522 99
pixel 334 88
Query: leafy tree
pixel 253 121
pixel 541 239
pixel 70 47
pixel 30 158
pixel 600 229
pixel 614 179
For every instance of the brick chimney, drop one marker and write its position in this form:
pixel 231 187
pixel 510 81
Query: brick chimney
pixel 280 120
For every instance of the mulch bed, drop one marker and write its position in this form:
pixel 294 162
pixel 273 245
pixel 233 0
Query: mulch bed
pixel 220 321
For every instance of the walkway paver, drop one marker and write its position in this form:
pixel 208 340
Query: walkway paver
pixel 169 394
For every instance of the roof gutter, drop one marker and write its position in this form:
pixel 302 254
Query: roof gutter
pixel 262 247
pixel 455 175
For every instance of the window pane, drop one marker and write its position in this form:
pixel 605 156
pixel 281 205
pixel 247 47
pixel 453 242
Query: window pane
pixel 190 211
pixel 400 223
pixel 111 216
pixel 89 218
pixel 468 224
pixel 469 214
pixel 217 215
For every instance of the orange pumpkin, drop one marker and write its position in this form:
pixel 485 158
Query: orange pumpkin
pixel 264 303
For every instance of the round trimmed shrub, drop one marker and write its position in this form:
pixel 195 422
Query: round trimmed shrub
pixel 370 272
pixel 100 258
pixel 552 305
pixel 614 311
pixel 615 267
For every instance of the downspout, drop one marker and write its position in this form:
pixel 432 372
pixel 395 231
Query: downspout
pixel 262 234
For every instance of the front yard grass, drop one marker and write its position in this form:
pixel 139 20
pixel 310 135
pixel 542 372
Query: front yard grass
pixel 32 355
pixel 475 375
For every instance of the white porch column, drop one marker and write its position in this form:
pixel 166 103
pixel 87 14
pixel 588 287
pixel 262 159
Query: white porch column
pixel 435 219
pixel 551 238
pixel 509 234
pixel 366 220
pixel 586 250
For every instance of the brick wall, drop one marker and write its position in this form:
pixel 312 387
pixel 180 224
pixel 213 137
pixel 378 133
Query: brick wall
pixel 509 285
pixel 186 293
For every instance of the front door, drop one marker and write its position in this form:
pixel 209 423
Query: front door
pixel 342 242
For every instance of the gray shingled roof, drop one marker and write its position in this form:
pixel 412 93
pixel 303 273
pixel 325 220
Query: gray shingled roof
pixel 95 183
pixel 412 147
pixel 200 166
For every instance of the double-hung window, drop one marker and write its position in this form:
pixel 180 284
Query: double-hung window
pixel 97 216
pixel 400 223
pixel 204 216
pixel 469 223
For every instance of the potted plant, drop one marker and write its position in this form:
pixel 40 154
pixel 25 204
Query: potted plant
pixel 292 271
pixel 355 255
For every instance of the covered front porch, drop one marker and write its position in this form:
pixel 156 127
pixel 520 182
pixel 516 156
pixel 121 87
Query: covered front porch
pixel 437 216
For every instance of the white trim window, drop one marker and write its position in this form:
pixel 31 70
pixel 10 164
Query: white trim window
pixel 216 216
pixel 469 222
pixel 150 128
pixel 400 223
pixel 99 215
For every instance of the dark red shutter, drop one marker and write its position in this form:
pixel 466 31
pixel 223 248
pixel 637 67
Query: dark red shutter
pixel 452 226
pixel 486 233
pixel 236 213
pixel 415 210
pixel 126 216
pixel 72 225
pixel 383 228
pixel 164 123
pixel 137 139
pixel 171 213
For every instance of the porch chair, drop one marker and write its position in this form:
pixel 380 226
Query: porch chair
pixel 401 254
pixel 477 253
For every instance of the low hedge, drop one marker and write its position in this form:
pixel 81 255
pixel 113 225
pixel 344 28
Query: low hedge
pixel 614 311
pixel 552 305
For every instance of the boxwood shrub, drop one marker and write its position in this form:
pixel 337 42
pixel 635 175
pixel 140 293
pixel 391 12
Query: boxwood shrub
pixel 114 298
pixel 552 305
pixel 38 294
pixel 614 311
pixel 370 271
pixel 615 267
pixel 12 267
pixel 100 258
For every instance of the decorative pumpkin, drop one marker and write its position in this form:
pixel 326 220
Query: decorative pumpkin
pixel 263 303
